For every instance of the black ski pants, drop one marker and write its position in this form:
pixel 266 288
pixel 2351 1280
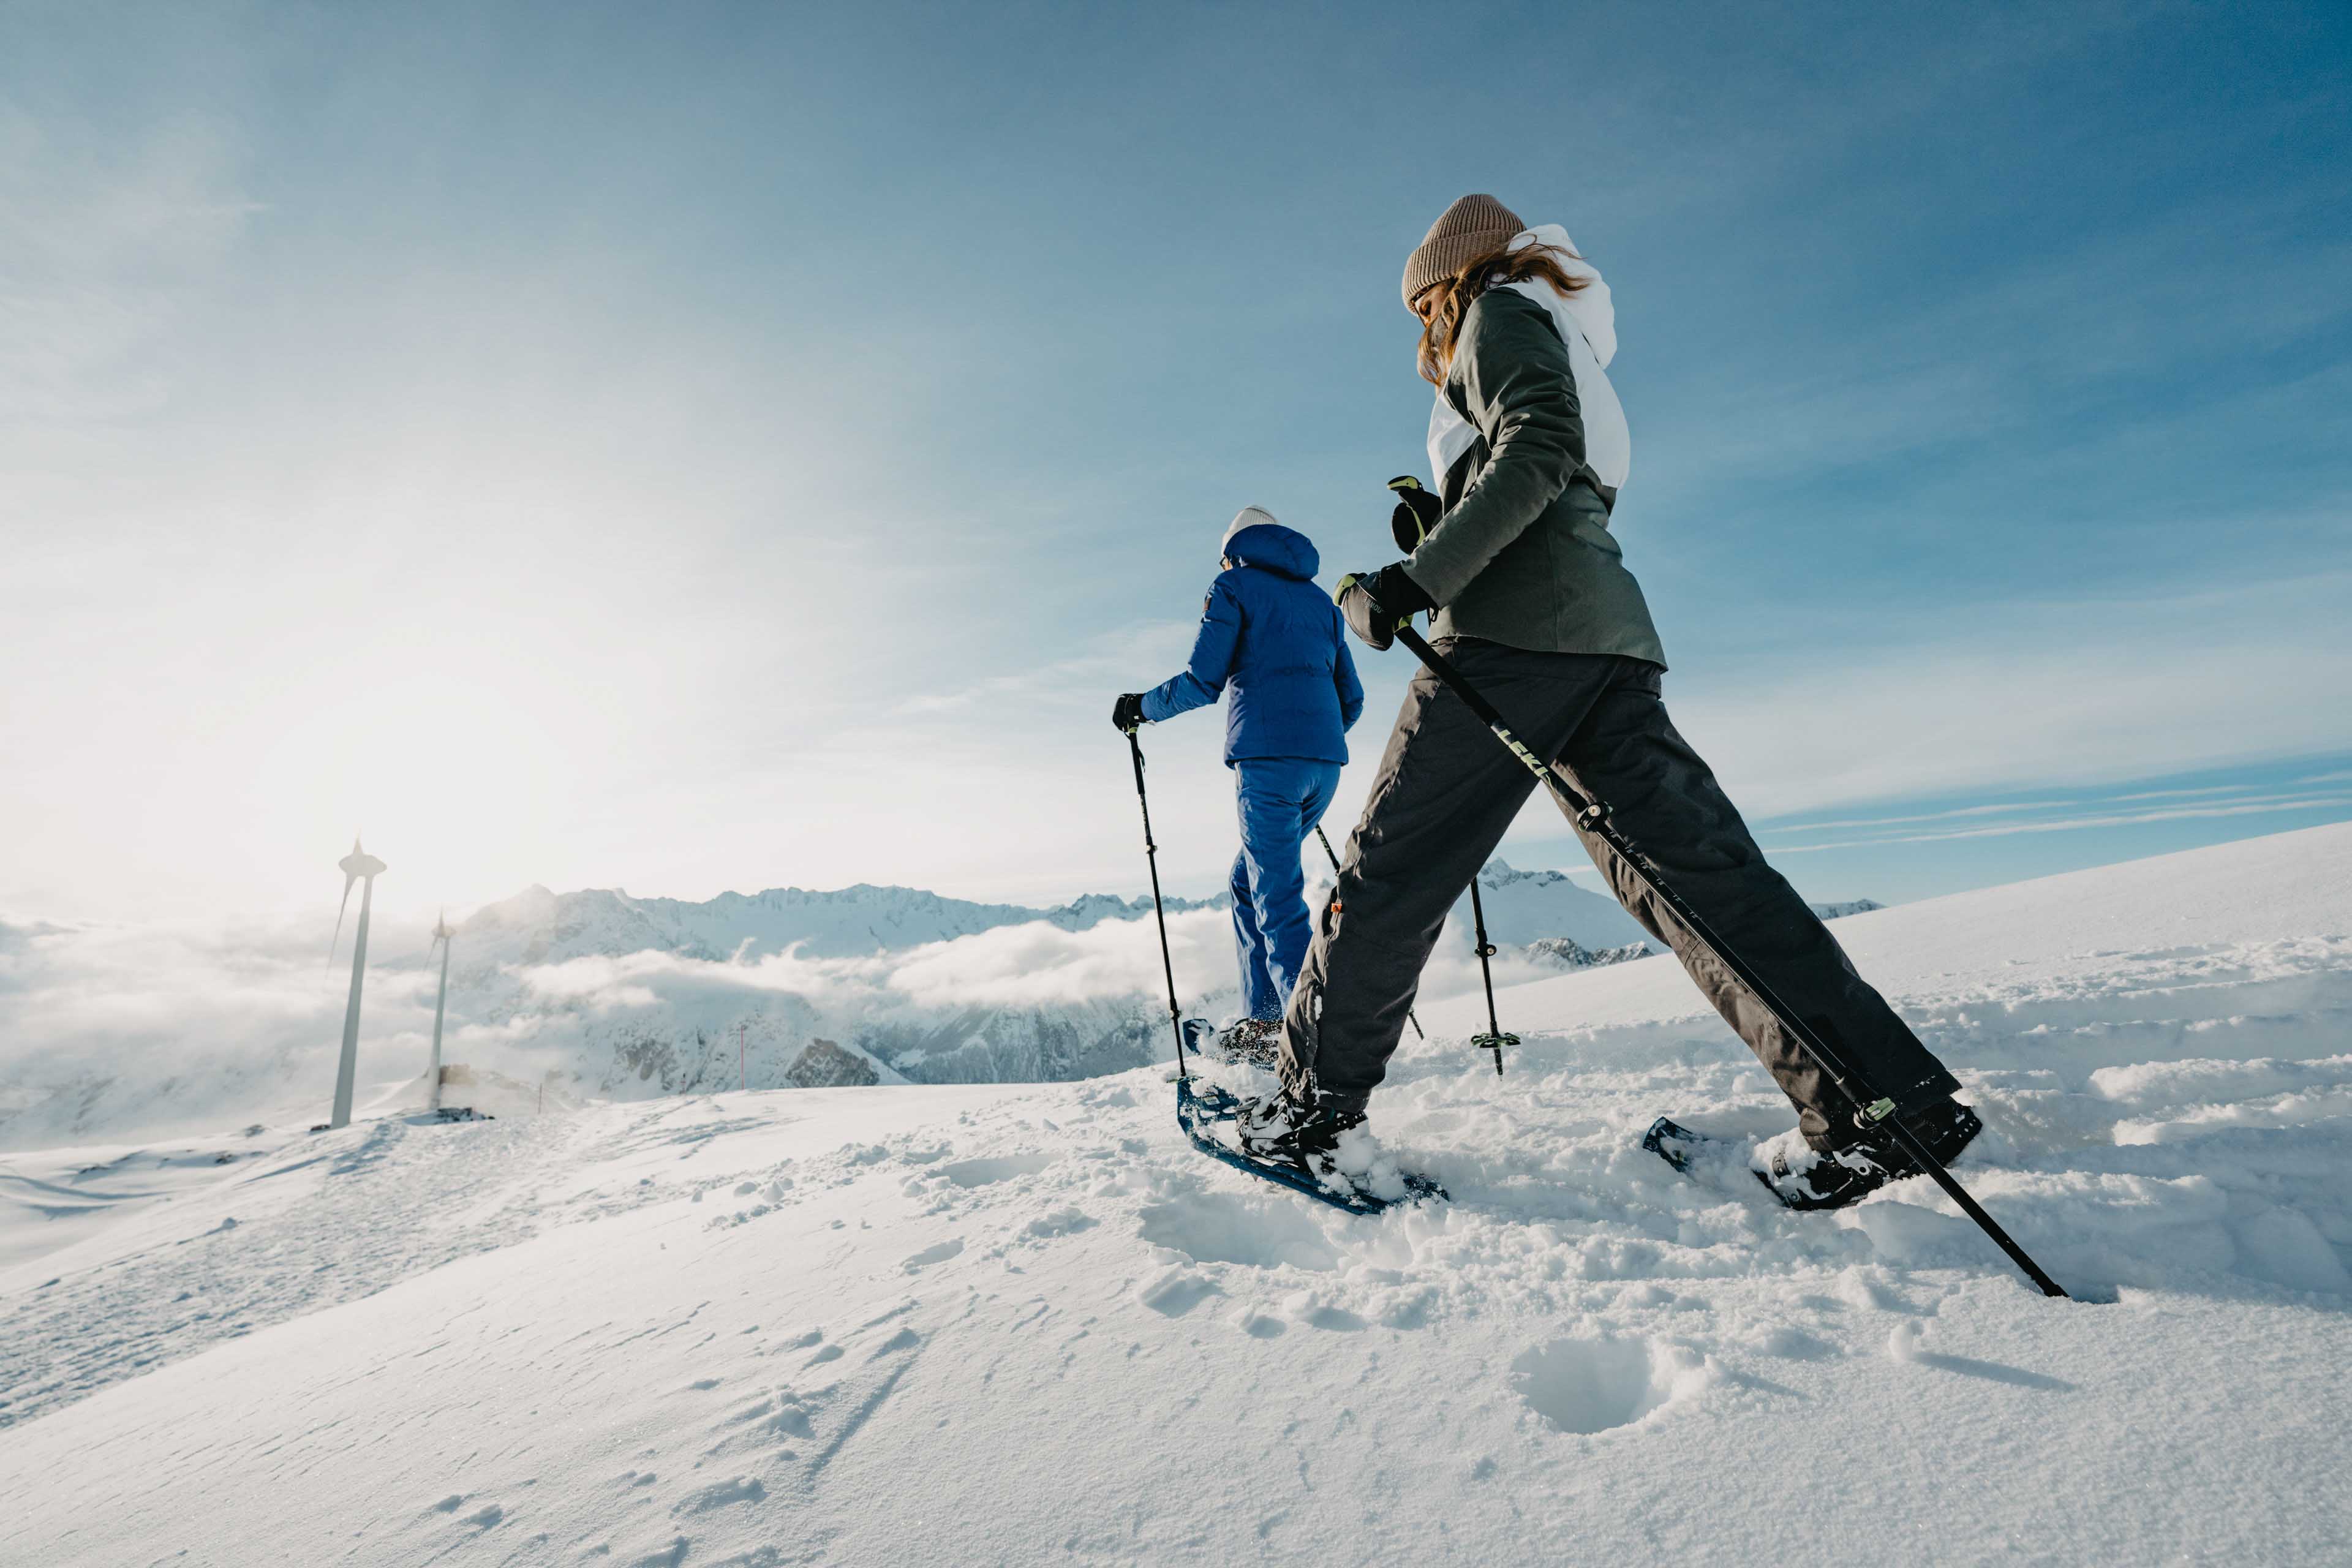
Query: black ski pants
pixel 1447 790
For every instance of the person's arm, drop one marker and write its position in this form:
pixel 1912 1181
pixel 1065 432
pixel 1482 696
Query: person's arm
pixel 1343 676
pixel 1522 393
pixel 1204 674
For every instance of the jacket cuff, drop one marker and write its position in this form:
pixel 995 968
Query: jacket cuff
pixel 1429 573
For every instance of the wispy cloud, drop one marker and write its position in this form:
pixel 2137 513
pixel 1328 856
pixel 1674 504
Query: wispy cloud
pixel 2089 820
pixel 2182 793
pixel 1924 816
pixel 2038 696
pixel 106 240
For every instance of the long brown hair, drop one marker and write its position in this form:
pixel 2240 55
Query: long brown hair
pixel 1454 295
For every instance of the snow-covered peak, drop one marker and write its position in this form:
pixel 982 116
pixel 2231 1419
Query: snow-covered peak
pixel 536 926
pixel 1524 907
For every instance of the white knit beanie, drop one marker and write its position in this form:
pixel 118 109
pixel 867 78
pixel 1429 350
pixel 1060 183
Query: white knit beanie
pixel 1248 517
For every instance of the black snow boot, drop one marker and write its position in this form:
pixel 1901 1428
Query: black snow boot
pixel 1946 1127
pixel 1281 1131
pixel 1812 1179
pixel 1253 1042
pixel 1825 1179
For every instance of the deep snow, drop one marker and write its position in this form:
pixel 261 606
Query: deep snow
pixel 1027 1323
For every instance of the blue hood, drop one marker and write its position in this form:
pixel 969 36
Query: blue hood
pixel 1274 548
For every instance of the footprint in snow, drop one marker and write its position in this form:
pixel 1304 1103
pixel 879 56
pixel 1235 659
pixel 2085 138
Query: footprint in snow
pixel 1592 1385
pixel 986 1172
pixel 937 1253
pixel 1333 1320
pixel 1214 1228
pixel 743 1488
pixel 1061 1222
pixel 809 1424
pixel 1177 1292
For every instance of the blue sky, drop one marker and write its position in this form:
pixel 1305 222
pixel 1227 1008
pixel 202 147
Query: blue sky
pixel 709 446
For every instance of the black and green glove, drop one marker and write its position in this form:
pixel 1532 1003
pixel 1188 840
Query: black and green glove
pixel 1374 604
pixel 1417 513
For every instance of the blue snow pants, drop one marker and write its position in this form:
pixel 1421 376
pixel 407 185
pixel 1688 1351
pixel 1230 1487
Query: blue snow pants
pixel 1280 799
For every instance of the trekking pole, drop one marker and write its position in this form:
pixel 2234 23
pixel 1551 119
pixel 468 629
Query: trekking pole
pixel 1593 815
pixel 1335 872
pixel 1493 1039
pixel 1152 856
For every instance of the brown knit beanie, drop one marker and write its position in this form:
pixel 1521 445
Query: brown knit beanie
pixel 1464 231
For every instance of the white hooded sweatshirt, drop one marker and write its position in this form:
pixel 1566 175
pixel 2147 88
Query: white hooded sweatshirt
pixel 1588 324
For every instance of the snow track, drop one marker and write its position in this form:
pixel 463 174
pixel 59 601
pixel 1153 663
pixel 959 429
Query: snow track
pixel 1029 1325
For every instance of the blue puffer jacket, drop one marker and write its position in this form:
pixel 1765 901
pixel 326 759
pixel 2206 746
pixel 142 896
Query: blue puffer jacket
pixel 1278 639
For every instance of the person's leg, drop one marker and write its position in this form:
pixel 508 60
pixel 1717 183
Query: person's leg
pixel 1259 998
pixel 1446 792
pixel 1665 799
pixel 1298 792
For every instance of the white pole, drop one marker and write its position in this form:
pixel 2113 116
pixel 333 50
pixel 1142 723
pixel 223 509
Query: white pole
pixel 440 1003
pixel 346 1072
pixel 357 866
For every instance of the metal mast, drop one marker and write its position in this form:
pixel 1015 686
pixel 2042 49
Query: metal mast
pixel 441 933
pixel 361 867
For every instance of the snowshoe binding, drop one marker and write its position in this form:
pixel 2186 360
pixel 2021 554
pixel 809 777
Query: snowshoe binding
pixel 1307 1137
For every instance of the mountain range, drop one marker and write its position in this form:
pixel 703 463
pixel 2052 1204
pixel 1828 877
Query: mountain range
pixel 651 995
pixel 600 993
pixel 537 926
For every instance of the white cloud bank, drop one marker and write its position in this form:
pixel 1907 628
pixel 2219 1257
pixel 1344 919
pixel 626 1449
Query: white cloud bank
pixel 111 1030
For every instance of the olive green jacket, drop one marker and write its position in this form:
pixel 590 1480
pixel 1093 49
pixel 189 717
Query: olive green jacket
pixel 1523 555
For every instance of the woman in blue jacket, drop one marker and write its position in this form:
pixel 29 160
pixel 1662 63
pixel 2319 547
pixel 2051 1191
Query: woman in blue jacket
pixel 1277 640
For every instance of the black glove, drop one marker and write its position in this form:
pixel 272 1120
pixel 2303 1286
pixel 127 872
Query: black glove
pixel 1375 604
pixel 1417 513
pixel 1127 714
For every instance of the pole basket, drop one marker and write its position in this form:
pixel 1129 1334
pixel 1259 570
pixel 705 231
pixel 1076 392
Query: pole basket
pixel 1493 1043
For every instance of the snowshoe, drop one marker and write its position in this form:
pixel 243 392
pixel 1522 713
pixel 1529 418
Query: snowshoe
pixel 1261 1140
pixel 1694 1155
pixel 1802 1177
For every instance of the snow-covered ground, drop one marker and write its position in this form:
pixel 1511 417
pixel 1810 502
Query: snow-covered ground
pixel 1026 1323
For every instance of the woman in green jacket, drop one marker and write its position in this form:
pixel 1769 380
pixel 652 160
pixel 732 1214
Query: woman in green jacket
pixel 1533 603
